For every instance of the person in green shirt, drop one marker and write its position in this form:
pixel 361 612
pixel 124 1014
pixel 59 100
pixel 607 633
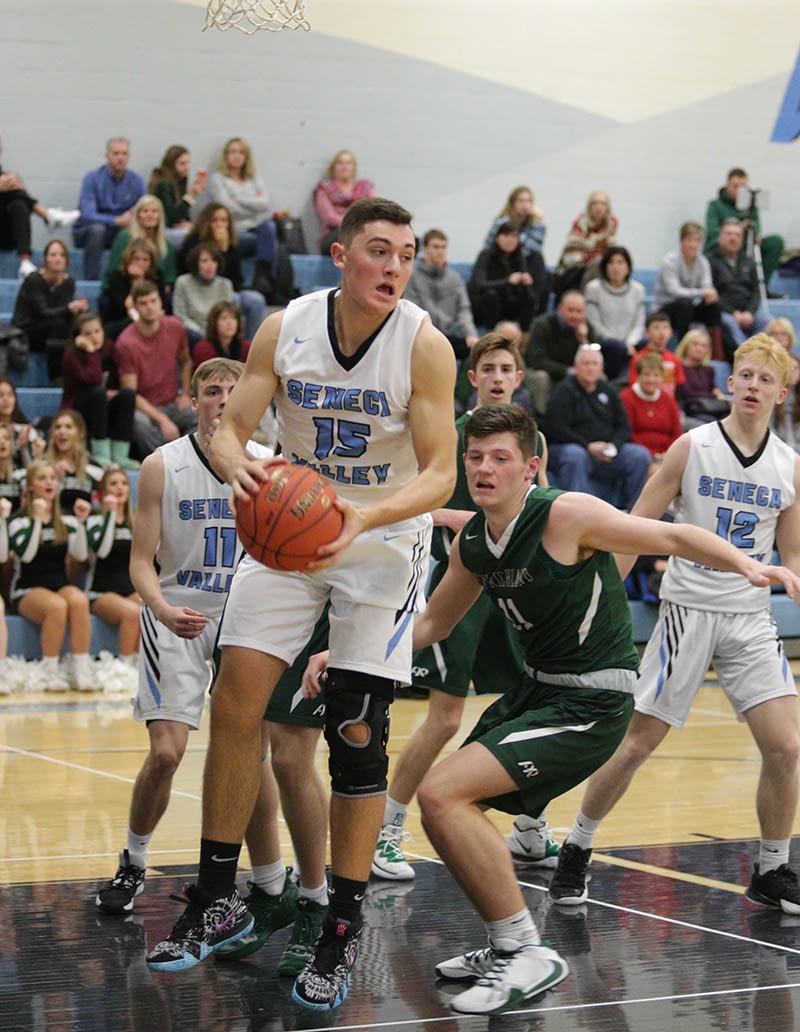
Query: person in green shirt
pixel 724 206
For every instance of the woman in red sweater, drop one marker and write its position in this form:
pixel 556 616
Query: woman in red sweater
pixel 653 413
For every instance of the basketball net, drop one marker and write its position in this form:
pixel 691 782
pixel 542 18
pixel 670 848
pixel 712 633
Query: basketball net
pixel 249 16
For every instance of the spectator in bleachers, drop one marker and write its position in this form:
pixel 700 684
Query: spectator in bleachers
pixel 726 205
pixel 658 334
pixel 237 185
pixel 653 414
pixel 46 305
pixel 555 338
pixel 170 184
pixel 615 308
pixel 112 595
pixel 199 289
pixel 108 414
pixel 588 432
pixel 223 337
pixel 505 283
pixel 521 209
pixel 334 194
pixel 698 396
pixel 16 207
pixel 735 277
pixel 782 329
pixel 148 354
pixel 440 290
pixel 589 235
pixel 786 417
pixel 28 444
pixel 139 262
pixel 685 289
pixel 214 225
pixel 11 476
pixel 68 454
pixel 41 538
pixel 147 223
pixel 106 202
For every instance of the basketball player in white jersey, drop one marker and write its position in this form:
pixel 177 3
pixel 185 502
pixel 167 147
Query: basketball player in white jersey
pixel 183 556
pixel 363 385
pixel 740 481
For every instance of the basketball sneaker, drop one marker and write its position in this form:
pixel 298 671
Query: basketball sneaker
pixel 389 860
pixel 534 845
pixel 325 981
pixel 118 894
pixel 512 980
pixel 269 912
pixel 568 885
pixel 777 888
pixel 466 967
pixel 300 947
pixel 204 926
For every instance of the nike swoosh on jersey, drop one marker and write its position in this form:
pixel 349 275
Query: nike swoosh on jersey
pixel 301 340
pixel 179 469
pixel 470 537
pixel 223 859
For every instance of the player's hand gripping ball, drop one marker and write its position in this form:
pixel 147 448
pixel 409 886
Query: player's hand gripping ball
pixel 289 518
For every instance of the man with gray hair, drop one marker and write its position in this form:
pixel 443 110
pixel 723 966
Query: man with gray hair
pixel 107 196
pixel 736 280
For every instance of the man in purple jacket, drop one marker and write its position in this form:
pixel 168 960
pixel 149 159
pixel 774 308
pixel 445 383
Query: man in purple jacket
pixel 107 196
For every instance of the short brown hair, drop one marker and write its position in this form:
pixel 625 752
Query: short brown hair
pixel 214 367
pixel 691 229
pixel 649 360
pixel 490 342
pixel 371 209
pixel 501 419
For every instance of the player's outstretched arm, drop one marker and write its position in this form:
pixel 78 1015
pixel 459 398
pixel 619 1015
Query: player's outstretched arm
pixel 245 407
pixel 453 597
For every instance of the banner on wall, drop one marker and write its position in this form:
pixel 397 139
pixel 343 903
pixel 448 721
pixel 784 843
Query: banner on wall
pixel 787 126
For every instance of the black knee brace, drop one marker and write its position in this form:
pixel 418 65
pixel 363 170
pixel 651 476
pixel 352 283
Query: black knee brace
pixel 357 730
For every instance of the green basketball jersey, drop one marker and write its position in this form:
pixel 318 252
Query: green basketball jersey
pixel 570 619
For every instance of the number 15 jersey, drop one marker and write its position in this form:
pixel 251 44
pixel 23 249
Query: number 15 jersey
pixel 347 416
pixel 739 498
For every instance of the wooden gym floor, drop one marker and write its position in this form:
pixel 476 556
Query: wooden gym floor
pixel 666 942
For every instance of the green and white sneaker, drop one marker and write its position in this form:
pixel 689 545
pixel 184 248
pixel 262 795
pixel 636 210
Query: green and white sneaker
pixel 513 980
pixel 389 861
pixel 307 926
pixel 270 913
pixel 535 846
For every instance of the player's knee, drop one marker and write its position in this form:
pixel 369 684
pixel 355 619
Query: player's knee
pixel 165 757
pixel 357 731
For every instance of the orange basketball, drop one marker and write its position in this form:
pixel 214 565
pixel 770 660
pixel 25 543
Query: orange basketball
pixel 284 524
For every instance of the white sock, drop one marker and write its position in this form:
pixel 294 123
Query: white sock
pixel 772 853
pixel 270 878
pixel 583 831
pixel 132 660
pixel 319 895
pixel 523 822
pixel 137 848
pixel 50 665
pixel 82 662
pixel 513 932
pixel 395 813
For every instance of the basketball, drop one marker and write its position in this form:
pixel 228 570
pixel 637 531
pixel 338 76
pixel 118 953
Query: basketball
pixel 284 524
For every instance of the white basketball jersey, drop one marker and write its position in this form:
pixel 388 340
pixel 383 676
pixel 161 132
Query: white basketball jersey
pixel 737 498
pixel 199 549
pixel 347 417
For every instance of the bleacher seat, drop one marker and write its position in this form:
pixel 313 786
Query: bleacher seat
pixel 24 638
pixel 314 272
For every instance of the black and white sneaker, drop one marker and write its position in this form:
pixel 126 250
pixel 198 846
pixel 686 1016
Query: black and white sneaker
pixel 777 889
pixel 325 981
pixel 513 979
pixel 204 926
pixel 117 895
pixel 568 886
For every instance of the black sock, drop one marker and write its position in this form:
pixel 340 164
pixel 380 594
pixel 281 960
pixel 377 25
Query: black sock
pixel 345 898
pixel 218 862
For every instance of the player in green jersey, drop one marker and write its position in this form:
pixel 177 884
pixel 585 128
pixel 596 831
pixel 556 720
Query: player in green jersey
pixel 545 559
pixel 482 648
